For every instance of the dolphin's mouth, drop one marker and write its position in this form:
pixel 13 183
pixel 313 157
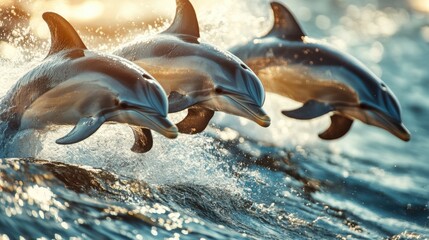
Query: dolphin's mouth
pixel 157 123
pixel 377 118
pixel 397 128
pixel 139 118
pixel 161 125
pixel 251 112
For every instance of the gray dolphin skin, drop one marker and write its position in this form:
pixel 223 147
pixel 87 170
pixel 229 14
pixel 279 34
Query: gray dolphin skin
pixel 75 86
pixel 197 76
pixel 324 79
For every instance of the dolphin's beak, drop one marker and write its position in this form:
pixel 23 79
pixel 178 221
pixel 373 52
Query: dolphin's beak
pixel 399 130
pixel 403 133
pixel 152 121
pixel 162 125
pixel 246 110
pixel 395 127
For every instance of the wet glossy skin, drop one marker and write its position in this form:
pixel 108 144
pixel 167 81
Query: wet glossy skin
pixel 198 70
pixel 75 86
pixel 79 83
pixel 195 74
pixel 294 66
pixel 309 68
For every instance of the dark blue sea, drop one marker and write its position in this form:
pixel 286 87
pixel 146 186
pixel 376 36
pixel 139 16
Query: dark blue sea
pixel 238 180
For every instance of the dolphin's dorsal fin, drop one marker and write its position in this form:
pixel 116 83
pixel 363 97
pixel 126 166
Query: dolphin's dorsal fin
pixel 185 22
pixel 285 24
pixel 63 35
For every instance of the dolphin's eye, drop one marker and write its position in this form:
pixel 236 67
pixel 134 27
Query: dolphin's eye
pixel 383 87
pixel 219 90
pixel 244 66
pixel 117 102
pixel 147 76
pixel 122 104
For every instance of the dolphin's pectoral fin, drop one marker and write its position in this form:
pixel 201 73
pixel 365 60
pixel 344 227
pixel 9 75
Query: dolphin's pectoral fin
pixel 196 120
pixel 311 109
pixel 339 127
pixel 178 102
pixel 83 129
pixel 143 140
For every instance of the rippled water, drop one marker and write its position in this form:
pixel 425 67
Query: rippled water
pixel 237 180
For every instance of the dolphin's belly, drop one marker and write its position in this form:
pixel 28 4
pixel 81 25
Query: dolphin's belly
pixel 65 105
pixel 181 78
pixel 302 83
pixel 45 111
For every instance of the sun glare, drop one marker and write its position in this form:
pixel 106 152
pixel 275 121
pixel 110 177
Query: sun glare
pixel 88 10
pixel 420 5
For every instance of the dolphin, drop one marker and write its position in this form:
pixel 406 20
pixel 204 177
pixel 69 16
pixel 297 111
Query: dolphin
pixel 324 79
pixel 76 86
pixel 197 76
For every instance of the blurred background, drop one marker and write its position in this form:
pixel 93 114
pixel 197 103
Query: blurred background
pixel 108 15
pixel 21 21
pixel 105 21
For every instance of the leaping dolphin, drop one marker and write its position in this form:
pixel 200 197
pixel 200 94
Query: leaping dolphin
pixel 196 75
pixel 322 78
pixel 76 86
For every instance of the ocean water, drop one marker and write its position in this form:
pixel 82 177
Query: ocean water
pixel 238 180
